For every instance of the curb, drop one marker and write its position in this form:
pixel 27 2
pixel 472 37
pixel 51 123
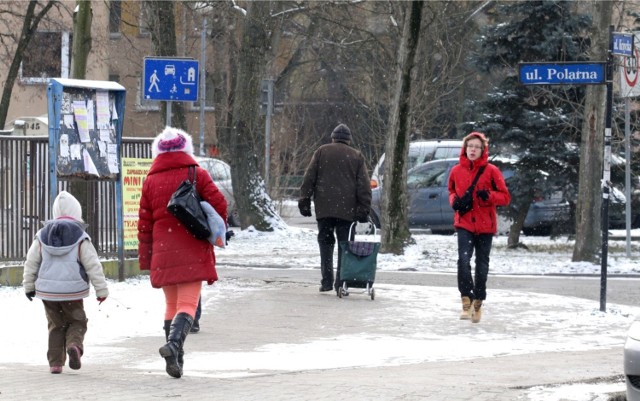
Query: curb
pixel 11 276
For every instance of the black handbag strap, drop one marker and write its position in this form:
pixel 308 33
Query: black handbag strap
pixel 475 180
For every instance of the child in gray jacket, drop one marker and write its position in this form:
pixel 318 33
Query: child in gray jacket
pixel 58 267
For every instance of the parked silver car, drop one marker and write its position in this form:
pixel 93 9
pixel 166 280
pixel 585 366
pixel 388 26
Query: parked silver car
pixel 220 172
pixel 420 152
pixel 632 361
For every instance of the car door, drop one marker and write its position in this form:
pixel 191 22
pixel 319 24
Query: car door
pixel 428 195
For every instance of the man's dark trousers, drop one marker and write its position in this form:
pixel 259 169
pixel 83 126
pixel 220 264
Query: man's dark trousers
pixel 326 239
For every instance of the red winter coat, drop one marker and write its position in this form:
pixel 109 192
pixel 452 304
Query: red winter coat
pixel 164 245
pixel 482 218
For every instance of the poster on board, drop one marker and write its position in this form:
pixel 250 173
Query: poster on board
pixel 134 171
pixel 88 146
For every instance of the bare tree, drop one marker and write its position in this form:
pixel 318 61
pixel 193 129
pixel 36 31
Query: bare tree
pixel 163 35
pixel 254 204
pixel 395 234
pixel 31 18
pixel 591 147
pixel 80 53
pixel 81 39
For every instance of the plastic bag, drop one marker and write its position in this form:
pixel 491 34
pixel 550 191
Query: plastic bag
pixel 216 225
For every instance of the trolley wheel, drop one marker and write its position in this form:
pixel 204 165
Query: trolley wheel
pixel 373 294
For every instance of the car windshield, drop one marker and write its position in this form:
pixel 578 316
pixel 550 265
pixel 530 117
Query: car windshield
pixel 429 176
pixel 219 172
pixel 446 153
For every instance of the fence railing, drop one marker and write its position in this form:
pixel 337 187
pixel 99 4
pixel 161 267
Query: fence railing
pixel 24 195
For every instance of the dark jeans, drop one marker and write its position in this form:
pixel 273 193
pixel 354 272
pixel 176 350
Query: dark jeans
pixel 467 243
pixel 326 239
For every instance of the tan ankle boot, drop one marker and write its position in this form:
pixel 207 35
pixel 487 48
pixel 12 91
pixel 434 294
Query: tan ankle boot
pixel 466 309
pixel 477 311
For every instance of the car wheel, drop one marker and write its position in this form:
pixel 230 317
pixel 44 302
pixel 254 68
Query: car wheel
pixel 234 218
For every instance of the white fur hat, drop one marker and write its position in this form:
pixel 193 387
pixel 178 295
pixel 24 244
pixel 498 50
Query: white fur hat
pixel 66 204
pixel 172 140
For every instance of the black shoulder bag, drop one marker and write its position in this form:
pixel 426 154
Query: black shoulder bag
pixel 466 202
pixel 185 206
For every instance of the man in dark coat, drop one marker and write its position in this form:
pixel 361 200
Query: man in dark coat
pixel 338 181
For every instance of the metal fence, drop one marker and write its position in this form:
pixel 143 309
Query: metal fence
pixel 24 196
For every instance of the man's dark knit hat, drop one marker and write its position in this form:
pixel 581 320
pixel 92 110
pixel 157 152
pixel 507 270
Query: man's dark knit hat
pixel 341 132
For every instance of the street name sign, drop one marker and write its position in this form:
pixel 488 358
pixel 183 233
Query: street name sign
pixel 623 44
pixel 170 79
pixel 562 73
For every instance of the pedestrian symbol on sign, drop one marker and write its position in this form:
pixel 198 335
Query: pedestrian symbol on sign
pixel 154 81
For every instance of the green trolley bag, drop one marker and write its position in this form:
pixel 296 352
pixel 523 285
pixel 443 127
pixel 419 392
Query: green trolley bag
pixel 358 265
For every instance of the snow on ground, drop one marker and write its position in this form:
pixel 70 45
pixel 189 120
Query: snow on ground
pixel 426 335
pixel 297 247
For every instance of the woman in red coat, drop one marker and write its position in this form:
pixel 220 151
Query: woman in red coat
pixel 476 227
pixel 178 262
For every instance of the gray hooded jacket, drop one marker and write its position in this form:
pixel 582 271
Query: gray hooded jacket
pixel 61 276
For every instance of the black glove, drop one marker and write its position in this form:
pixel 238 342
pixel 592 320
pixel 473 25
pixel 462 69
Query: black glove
pixel 362 218
pixel 30 295
pixel 227 236
pixel 483 194
pixel 304 205
pixel 456 203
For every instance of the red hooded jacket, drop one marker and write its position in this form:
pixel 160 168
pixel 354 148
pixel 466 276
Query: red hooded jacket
pixel 164 245
pixel 482 218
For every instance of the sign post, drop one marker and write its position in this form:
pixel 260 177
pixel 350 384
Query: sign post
pixel 593 73
pixel 171 80
pixel 629 87
pixel 606 177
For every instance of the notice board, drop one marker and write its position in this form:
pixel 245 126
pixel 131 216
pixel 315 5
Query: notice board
pixel 85 128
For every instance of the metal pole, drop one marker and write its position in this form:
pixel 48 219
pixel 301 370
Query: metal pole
pixel 627 172
pixel 169 113
pixel 203 86
pixel 606 175
pixel 267 132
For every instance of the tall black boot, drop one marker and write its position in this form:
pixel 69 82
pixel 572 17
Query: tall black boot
pixel 167 328
pixel 179 330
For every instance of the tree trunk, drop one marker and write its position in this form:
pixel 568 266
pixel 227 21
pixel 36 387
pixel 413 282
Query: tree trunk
pixel 29 27
pixel 81 39
pixel 163 37
pixel 395 230
pixel 513 241
pixel 588 230
pixel 79 55
pixel 254 204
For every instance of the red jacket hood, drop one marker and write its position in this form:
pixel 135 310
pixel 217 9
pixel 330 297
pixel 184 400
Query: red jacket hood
pixel 482 160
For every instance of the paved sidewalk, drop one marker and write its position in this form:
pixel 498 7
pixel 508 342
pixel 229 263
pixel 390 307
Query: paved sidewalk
pixel 284 307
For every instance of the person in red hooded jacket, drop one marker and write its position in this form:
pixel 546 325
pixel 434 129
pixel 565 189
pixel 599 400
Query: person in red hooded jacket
pixel 178 261
pixel 476 227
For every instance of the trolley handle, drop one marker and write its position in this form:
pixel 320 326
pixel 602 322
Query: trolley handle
pixel 352 232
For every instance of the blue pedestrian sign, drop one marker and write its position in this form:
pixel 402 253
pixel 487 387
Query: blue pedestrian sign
pixel 170 79
pixel 562 73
